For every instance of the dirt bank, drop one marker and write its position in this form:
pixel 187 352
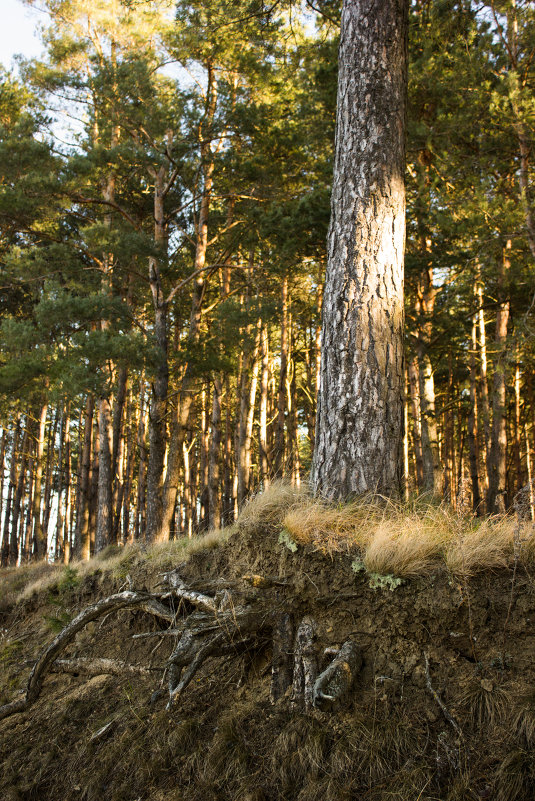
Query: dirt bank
pixel 443 706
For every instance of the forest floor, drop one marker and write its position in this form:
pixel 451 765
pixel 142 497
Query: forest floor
pixel 443 706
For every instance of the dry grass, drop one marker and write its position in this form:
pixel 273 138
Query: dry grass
pixel 407 539
pixel 114 561
pixel 268 508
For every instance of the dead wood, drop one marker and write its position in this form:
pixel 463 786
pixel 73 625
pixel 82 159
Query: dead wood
pixel 335 682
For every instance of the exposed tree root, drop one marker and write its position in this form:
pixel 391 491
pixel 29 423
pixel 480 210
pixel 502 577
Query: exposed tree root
pixel 438 699
pixel 98 667
pixel 221 624
pixel 305 662
pixel 336 680
pixel 120 600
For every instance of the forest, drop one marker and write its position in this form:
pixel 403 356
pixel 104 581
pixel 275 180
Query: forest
pixel 165 186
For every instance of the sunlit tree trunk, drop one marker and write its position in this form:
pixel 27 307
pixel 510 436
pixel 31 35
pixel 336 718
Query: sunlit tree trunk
pixel 39 541
pixel 359 433
pixel 83 539
pixel 473 441
pixel 498 446
pixel 279 444
pixel 414 386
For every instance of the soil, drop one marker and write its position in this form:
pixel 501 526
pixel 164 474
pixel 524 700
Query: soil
pixel 461 728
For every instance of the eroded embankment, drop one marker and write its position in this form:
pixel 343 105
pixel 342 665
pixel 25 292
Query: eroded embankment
pixel 442 708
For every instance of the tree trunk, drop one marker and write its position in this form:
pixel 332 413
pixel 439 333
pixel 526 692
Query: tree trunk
pixel 264 388
pixel 279 447
pixel 160 384
pixel 17 500
pixel 483 382
pixel 214 472
pixel 105 496
pixel 83 540
pixel 67 485
pixel 10 492
pixel 473 442
pixel 414 385
pixel 38 534
pixel 140 527
pixel 359 432
pixel 498 446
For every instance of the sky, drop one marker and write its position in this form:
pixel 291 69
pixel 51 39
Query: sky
pixel 18 31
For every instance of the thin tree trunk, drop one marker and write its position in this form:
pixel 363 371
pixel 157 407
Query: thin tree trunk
pixel 140 527
pixel 264 388
pixel 483 382
pixel 67 484
pixel 531 494
pixel 214 472
pixel 49 474
pixel 204 448
pixel 473 441
pixel 498 446
pixel 279 448
pixel 517 433
pixel 414 384
pixel 14 455
pixel 93 487
pixel 83 539
pixel 105 478
pixel 39 539
pixel 17 498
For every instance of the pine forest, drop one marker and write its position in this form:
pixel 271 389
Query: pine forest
pixel 166 172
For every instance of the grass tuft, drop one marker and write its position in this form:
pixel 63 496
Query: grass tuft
pixel 269 508
pixel 406 540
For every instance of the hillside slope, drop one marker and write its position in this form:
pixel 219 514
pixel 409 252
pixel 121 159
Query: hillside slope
pixel 442 707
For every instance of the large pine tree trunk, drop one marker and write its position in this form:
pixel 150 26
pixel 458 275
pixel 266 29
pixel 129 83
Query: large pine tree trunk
pixel 359 434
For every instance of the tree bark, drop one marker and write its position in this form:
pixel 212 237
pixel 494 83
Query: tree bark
pixel 498 446
pixel 38 535
pixel 359 434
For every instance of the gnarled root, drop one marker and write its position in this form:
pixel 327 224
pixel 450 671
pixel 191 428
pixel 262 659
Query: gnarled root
pixel 40 669
pixel 305 662
pixel 336 680
pixel 210 635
